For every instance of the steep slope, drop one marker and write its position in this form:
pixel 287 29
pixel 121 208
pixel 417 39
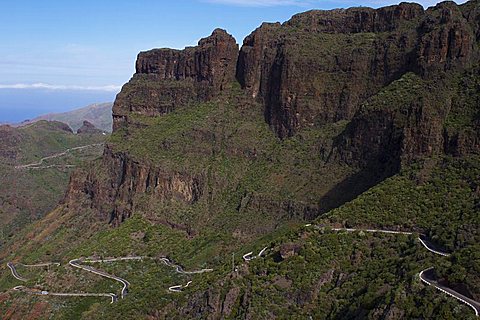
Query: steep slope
pixel 178 123
pixel 30 187
pixel 321 65
pixel 99 114
pixel 327 106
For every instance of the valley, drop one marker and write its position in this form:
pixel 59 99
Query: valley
pixel 327 168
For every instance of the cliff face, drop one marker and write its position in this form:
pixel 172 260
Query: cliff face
pixel 321 65
pixel 414 118
pixel 116 195
pixel 392 75
pixel 447 39
pixel 384 139
pixel 212 61
pixel 316 68
pixel 166 79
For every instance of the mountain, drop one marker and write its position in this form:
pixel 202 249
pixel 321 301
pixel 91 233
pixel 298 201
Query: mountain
pixel 35 163
pixel 99 114
pixel 318 172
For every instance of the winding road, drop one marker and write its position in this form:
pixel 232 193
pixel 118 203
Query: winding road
pixel 427 276
pixel 112 296
pixel 372 231
pixel 37 165
pixel 39 265
pixel 430 247
pixel 179 269
pixel 15 274
pixel 249 256
pixel 90 260
pixel 63 166
pixel 179 288
pixel 76 263
pixel 125 283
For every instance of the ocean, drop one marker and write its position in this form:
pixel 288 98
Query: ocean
pixel 17 105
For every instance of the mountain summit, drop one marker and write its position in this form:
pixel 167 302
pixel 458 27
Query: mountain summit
pixel 327 169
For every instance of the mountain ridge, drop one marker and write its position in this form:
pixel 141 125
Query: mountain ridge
pixel 99 114
pixel 347 118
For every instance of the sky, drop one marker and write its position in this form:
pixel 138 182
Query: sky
pixel 57 55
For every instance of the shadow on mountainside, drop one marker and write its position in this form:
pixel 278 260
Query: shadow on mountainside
pixel 350 188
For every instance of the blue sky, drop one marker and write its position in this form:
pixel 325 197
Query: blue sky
pixel 87 48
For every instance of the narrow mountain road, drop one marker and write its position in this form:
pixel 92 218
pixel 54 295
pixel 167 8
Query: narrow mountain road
pixel 23 289
pixel 15 274
pixel 427 275
pixel 372 231
pixel 179 269
pixel 179 288
pixel 430 247
pixel 37 165
pixel 89 260
pixel 165 260
pixel 249 256
pixel 39 265
pixel 77 264
pixel 61 166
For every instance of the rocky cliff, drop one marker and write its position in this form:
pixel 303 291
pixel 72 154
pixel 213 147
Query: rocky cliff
pixel 88 128
pixel 316 68
pixel 414 118
pixel 362 118
pixel 166 79
pixel 114 192
pixel 321 65
pixel 397 84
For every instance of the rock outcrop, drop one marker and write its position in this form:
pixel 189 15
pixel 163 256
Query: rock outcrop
pixel 166 79
pixel 320 66
pixel 88 128
pixel 447 39
pixel 316 68
pixel 389 72
pixel 411 119
pixel 113 193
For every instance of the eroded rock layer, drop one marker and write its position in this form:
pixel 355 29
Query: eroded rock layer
pixel 166 79
pixel 401 79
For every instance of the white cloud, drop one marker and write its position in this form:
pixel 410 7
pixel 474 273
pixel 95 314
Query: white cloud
pixel 109 88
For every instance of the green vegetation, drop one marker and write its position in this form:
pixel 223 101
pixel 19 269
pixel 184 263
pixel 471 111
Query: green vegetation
pixel 258 191
pixel 437 196
pixel 305 273
pixel 464 112
pixel 28 194
pixel 227 146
